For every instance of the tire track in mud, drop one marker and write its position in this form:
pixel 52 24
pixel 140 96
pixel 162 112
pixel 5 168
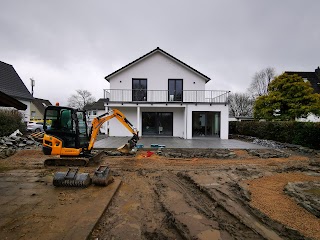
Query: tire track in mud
pixel 218 222
pixel 135 213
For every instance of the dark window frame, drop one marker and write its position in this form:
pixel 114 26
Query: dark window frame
pixel 157 121
pixel 175 97
pixel 134 90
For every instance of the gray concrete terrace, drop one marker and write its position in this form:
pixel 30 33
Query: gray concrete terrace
pixel 174 142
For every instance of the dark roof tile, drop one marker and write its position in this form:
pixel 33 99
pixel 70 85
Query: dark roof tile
pixel 41 104
pixel 11 84
pixel 313 78
pixel 99 105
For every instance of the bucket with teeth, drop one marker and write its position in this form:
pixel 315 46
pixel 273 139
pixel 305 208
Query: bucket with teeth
pixel 71 178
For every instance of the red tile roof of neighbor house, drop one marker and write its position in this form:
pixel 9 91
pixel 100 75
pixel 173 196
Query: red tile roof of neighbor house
pixel 152 52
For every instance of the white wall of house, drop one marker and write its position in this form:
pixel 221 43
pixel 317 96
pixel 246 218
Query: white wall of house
pixel 131 113
pixel 157 69
pixel 26 113
pixel 311 118
pixel 116 128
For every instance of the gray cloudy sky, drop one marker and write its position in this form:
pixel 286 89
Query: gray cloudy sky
pixel 68 45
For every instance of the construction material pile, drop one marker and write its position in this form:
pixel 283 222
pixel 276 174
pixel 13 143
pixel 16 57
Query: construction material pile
pixel 10 144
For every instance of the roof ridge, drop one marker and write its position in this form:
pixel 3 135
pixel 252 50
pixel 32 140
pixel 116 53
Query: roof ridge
pixel 5 63
pixel 163 52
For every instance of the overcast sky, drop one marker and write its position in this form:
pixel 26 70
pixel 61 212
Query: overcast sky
pixel 68 45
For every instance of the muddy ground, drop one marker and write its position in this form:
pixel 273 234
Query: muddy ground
pixel 236 196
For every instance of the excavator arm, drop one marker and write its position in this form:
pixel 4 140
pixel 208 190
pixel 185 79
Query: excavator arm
pixel 115 113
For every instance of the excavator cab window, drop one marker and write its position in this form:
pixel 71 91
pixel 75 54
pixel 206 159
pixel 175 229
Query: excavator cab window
pixel 58 122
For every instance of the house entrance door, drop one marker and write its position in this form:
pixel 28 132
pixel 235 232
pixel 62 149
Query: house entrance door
pixel 157 123
pixel 205 124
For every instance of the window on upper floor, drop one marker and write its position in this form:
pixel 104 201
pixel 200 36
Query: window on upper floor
pixel 175 87
pixel 139 89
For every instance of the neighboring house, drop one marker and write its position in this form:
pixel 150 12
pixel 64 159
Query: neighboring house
pixel 12 86
pixel 314 79
pixel 37 108
pixel 162 96
pixel 94 110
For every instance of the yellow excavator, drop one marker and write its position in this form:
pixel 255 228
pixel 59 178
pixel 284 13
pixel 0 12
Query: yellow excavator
pixel 67 135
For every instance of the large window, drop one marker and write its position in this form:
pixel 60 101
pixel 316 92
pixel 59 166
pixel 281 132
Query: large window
pixel 175 89
pixel 205 124
pixel 157 123
pixel 139 89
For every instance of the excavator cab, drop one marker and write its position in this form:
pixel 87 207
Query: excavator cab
pixel 67 125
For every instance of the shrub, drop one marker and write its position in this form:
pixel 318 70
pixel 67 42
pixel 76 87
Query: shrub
pixel 10 120
pixel 302 133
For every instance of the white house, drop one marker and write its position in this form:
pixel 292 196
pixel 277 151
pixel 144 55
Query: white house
pixel 162 96
pixel 94 110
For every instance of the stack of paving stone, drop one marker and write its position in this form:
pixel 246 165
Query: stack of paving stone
pixel 9 145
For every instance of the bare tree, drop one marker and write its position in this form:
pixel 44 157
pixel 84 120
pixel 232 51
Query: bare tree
pixel 261 81
pixel 240 105
pixel 80 99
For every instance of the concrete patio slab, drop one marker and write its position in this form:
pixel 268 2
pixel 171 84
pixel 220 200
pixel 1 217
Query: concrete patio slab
pixel 171 142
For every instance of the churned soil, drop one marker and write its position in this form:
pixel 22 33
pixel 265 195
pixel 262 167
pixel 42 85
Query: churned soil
pixel 237 196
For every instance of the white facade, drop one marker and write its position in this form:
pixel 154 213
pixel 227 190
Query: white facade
pixel 166 115
pixel 25 113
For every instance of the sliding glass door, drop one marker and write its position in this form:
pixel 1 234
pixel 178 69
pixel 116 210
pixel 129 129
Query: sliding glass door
pixel 157 123
pixel 205 124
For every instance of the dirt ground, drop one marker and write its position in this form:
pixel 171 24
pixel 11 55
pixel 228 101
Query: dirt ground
pixel 196 198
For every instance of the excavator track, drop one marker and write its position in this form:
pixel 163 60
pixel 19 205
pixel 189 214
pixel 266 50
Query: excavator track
pixel 76 161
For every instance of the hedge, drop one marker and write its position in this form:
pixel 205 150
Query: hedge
pixel 301 133
pixel 10 120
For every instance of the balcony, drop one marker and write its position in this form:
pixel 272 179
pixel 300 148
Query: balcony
pixel 164 96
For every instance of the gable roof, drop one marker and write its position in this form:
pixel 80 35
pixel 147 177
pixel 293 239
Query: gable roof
pixel 11 84
pixel 99 105
pixel 7 101
pixel 151 53
pixel 41 104
pixel 313 78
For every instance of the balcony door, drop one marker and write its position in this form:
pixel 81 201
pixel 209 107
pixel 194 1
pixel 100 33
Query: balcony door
pixel 175 89
pixel 139 89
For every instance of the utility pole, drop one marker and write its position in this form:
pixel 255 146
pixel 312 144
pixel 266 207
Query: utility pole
pixel 32 85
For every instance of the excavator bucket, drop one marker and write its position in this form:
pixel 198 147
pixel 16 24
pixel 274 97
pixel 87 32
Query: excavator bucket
pixel 102 176
pixel 128 147
pixel 71 178
pixel 125 148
